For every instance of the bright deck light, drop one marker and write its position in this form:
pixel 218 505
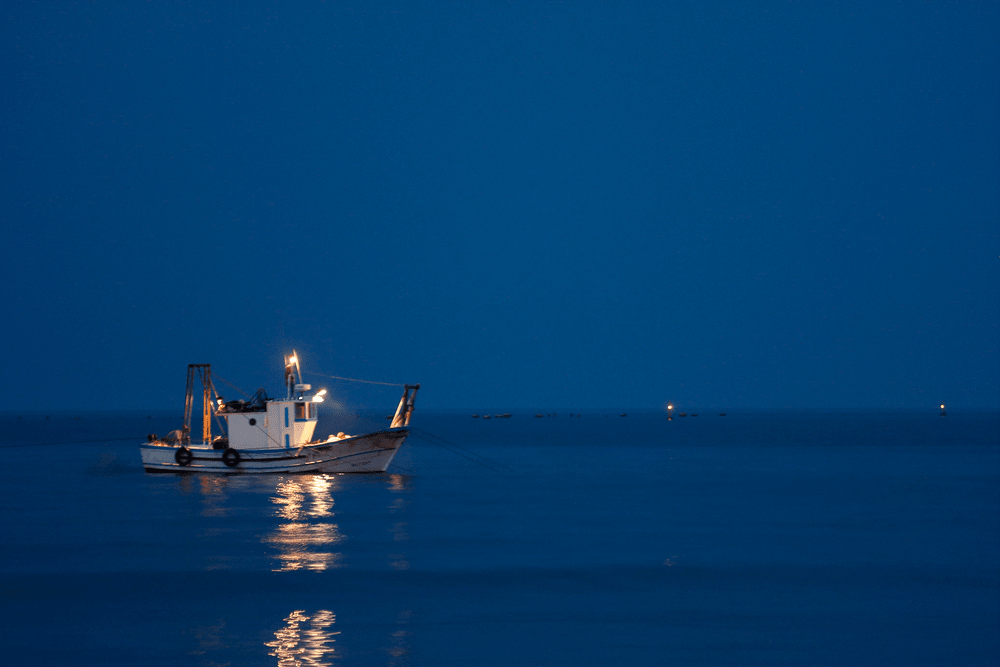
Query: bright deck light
pixel 317 399
pixel 321 392
pixel 293 360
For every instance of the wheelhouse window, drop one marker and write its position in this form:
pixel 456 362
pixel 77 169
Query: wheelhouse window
pixel 300 411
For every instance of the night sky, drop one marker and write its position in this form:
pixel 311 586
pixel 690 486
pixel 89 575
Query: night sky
pixel 518 205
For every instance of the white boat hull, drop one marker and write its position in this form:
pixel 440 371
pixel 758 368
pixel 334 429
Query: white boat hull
pixel 368 453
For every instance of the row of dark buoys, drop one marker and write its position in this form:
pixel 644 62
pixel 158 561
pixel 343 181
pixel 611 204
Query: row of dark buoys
pixel 553 414
pixel 670 414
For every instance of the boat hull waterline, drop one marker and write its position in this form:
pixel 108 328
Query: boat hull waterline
pixel 369 453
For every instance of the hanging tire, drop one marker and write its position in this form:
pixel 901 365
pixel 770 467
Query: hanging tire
pixel 231 457
pixel 183 456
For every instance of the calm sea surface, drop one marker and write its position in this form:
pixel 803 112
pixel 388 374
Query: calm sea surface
pixel 750 539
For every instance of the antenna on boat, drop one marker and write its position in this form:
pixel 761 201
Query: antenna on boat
pixel 291 370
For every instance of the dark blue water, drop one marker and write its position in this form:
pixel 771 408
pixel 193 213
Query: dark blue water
pixel 751 539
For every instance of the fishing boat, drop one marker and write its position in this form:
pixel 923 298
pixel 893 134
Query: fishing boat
pixel 264 435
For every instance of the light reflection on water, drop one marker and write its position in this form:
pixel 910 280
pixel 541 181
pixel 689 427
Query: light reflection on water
pixel 308 641
pixel 300 533
pixel 293 503
pixel 212 491
pixel 304 535
pixel 398 482
pixel 305 640
pixel 299 500
pixel 399 641
pixel 209 638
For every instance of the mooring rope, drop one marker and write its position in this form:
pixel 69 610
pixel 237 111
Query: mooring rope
pixel 337 377
pixel 484 461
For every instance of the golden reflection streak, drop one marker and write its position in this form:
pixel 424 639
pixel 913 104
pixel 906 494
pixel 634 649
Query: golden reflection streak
pixel 209 638
pixel 399 533
pixel 305 534
pixel 398 482
pixel 298 500
pixel 291 497
pixel 213 495
pixel 297 646
pixel 293 540
pixel 399 562
pixel 399 642
pixel 397 505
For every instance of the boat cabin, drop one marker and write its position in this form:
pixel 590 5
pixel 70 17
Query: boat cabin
pixel 287 424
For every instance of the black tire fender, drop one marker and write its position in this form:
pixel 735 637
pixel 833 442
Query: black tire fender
pixel 231 457
pixel 183 456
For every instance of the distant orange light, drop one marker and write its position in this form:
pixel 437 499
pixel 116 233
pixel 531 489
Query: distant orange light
pixel 942 406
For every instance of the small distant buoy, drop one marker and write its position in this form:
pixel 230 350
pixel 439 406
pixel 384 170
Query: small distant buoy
pixel 537 416
pixel 722 414
pixel 694 414
pixel 623 415
pixel 475 416
pixel 943 413
pixel 684 414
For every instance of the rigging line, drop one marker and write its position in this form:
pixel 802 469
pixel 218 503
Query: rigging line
pixel 245 395
pixel 462 454
pixel 215 412
pixel 457 449
pixel 337 377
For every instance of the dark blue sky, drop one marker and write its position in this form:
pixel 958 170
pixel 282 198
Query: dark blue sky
pixel 516 204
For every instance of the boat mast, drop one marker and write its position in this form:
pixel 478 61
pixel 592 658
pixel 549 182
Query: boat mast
pixel 205 375
pixel 405 409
